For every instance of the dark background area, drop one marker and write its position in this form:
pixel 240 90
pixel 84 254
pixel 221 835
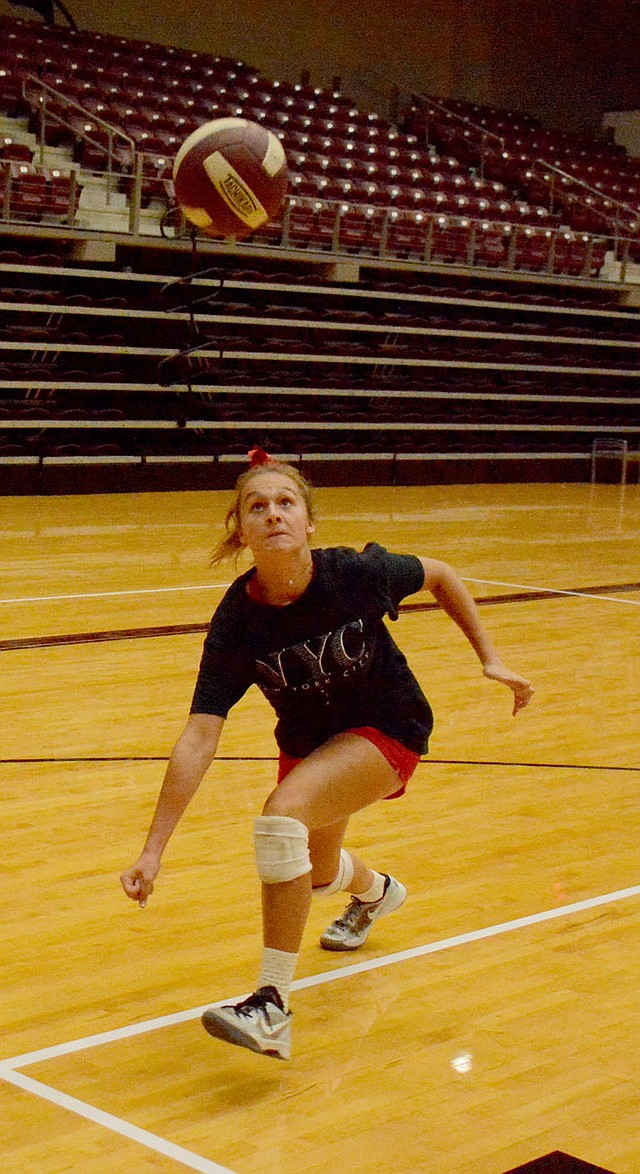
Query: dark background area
pixel 566 62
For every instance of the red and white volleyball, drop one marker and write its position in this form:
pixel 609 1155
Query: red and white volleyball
pixel 230 177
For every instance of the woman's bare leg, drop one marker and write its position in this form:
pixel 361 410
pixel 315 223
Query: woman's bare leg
pixel 341 777
pixel 324 849
pixel 321 792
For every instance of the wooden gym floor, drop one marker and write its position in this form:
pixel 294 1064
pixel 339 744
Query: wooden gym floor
pixel 493 1020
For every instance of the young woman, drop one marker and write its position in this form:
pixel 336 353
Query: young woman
pixel 307 627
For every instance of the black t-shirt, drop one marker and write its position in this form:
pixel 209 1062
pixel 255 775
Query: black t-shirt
pixel 325 662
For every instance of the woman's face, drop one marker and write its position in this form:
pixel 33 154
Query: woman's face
pixel 273 515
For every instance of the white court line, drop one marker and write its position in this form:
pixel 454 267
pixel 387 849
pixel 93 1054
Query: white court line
pixel 193 1161
pixel 554 591
pixel 98 1117
pixel 215 586
pixel 475 935
pixel 108 1037
pixel 113 594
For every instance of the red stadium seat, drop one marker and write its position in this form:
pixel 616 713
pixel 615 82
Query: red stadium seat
pixel 491 245
pixel 450 240
pixel 361 229
pixel 313 224
pixel 405 234
pixel 28 191
pixel 532 249
pixel 14 152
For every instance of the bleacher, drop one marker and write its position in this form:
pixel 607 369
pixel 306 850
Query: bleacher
pixel 418 314
pixel 359 185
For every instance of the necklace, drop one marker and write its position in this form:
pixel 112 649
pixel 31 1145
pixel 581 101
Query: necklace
pixel 295 586
pixel 305 571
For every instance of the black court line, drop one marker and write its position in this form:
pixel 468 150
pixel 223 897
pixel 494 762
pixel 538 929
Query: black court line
pixel 100 637
pixel 188 629
pixel 273 758
pixel 535 595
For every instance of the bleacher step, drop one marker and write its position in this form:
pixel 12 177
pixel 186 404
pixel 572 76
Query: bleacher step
pixel 99 208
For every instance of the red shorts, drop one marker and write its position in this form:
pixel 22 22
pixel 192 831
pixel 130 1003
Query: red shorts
pixel 403 761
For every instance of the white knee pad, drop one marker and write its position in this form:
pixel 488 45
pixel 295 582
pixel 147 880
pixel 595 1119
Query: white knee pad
pixel 282 848
pixel 341 880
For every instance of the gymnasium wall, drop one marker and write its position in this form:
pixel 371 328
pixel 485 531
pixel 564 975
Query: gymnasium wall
pixel 626 127
pixel 567 62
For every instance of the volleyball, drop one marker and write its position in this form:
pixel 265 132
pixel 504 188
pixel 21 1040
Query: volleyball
pixel 230 177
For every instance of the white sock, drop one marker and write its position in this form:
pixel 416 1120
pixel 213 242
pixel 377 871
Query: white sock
pixel 376 890
pixel 278 969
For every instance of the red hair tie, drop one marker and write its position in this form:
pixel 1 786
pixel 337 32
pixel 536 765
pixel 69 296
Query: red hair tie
pixel 257 456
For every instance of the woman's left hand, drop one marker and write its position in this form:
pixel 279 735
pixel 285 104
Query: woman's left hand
pixel 522 689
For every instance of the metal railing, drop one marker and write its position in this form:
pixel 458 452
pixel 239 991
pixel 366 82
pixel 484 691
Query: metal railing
pixel 618 210
pixel 424 236
pixel 551 172
pixel 49 104
pixel 481 131
pixel 48 209
pixel 125 162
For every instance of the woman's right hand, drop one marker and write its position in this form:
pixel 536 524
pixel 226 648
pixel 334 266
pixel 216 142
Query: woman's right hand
pixel 191 757
pixel 137 881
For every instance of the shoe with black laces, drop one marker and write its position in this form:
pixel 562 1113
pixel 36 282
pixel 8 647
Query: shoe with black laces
pixel 351 930
pixel 259 1023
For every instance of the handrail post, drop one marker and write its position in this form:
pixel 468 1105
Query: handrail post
pixel 41 128
pixel 6 202
pixel 337 225
pixel 73 195
pixel 552 253
pixel 286 220
pixel 624 258
pixel 616 231
pixel 109 166
pixel 513 246
pixel 382 250
pixel 135 199
pixel 428 243
pixel 471 247
pixel 586 269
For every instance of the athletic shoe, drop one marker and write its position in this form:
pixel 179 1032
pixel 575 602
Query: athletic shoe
pixel 259 1023
pixel 351 931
